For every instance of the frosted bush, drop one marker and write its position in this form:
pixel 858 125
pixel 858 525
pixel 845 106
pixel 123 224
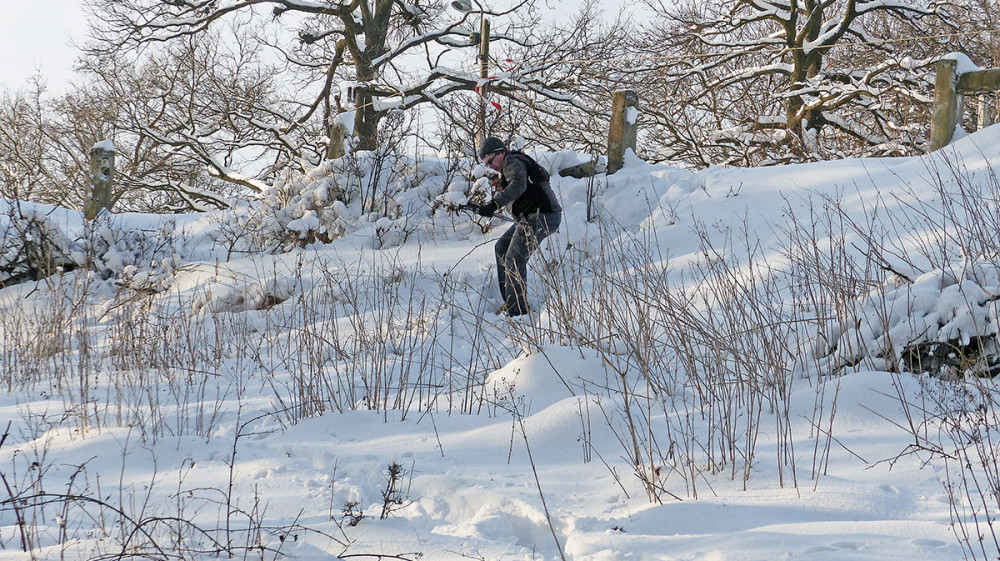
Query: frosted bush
pixel 144 260
pixel 944 322
pixel 377 193
pixel 301 207
pixel 243 294
pixel 32 246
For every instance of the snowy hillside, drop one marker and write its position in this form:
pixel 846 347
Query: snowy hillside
pixel 728 364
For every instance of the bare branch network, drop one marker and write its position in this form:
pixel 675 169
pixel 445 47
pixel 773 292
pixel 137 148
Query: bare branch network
pixel 209 100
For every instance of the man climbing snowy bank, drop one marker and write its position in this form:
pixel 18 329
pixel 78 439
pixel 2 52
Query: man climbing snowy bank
pixel 525 187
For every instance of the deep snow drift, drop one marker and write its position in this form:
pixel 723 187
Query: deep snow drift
pixel 229 391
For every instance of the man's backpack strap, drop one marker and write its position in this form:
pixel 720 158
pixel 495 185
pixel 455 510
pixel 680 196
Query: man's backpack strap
pixel 536 173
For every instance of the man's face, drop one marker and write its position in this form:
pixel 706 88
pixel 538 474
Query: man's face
pixel 495 160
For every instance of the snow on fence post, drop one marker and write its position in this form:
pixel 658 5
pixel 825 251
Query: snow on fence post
pixel 102 176
pixel 622 132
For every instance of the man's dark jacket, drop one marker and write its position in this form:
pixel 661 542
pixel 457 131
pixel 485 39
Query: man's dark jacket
pixel 518 190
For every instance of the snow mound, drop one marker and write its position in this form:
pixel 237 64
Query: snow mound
pixel 539 380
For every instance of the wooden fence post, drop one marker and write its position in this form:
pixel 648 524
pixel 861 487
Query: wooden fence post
pixel 945 110
pixel 984 113
pixel 950 89
pixel 338 133
pixel 484 72
pixel 102 176
pixel 622 132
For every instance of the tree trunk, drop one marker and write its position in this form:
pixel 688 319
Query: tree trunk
pixel 375 23
pixel 806 65
pixel 366 119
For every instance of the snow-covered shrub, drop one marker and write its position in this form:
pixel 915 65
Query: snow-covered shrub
pixel 329 200
pixel 143 260
pixel 303 208
pixel 235 296
pixel 936 313
pixel 363 190
pixel 476 190
pixel 236 229
pixel 390 233
pixel 32 246
pixel 943 322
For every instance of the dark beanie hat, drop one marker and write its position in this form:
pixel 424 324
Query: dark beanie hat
pixel 491 145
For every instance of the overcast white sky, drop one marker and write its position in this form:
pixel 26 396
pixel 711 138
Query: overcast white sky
pixel 35 36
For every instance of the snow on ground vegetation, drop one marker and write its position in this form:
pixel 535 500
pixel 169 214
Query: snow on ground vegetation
pixel 778 363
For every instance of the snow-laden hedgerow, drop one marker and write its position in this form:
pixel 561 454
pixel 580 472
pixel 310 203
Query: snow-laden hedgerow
pixel 926 257
pixel 385 195
pixel 32 246
pixel 38 241
pixel 944 322
pixel 342 195
pixel 391 194
pixel 306 207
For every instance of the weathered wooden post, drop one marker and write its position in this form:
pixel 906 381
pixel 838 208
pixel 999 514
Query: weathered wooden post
pixel 945 110
pixel 102 176
pixel 984 113
pixel 338 134
pixel 950 89
pixel 622 132
pixel 484 73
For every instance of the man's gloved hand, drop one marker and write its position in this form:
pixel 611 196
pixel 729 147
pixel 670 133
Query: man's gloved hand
pixel 489 209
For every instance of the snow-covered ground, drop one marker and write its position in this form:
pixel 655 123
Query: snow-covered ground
pixel 361 398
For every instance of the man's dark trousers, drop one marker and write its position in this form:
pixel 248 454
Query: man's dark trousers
pixel 512 251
